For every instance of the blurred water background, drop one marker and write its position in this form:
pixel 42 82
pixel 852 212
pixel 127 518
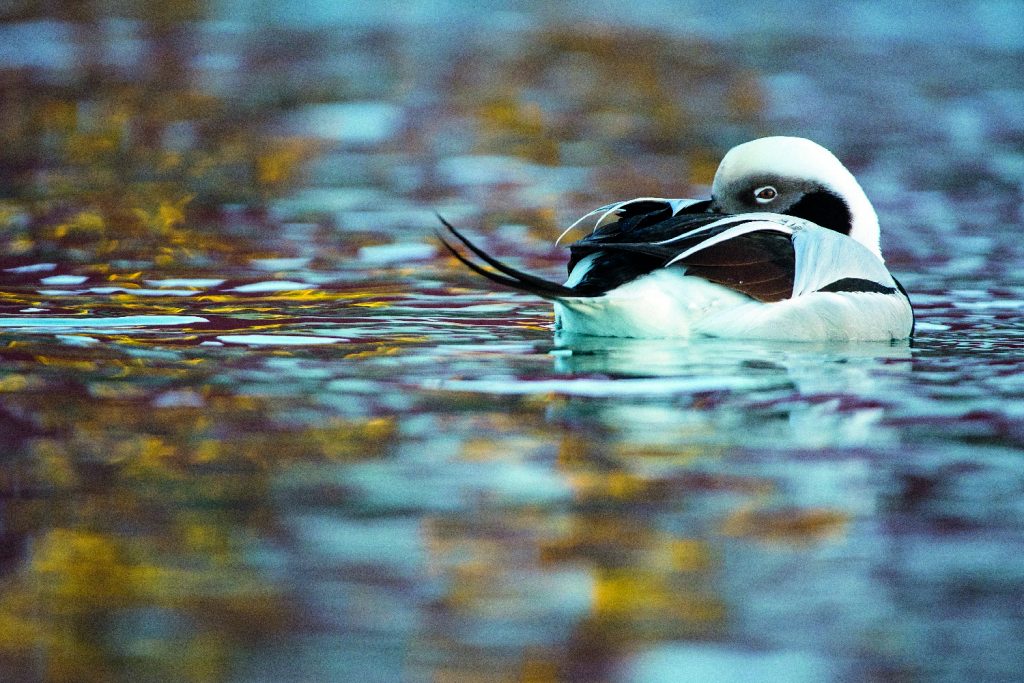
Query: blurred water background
pixel 254 426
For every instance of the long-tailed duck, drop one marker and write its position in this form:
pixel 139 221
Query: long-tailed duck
pixel 786 248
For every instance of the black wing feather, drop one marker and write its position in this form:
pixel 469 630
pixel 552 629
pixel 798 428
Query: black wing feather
pixel 759 264
pixel 650 222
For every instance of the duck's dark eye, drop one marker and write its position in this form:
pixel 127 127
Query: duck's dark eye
pixel 765 194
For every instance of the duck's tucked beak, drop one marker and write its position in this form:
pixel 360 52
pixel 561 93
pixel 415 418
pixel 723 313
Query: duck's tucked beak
pixel 714 207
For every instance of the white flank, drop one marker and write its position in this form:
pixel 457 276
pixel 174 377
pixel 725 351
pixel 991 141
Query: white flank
pixel 824 256
pixel 670 304
pixel 818 316
pixel 664 303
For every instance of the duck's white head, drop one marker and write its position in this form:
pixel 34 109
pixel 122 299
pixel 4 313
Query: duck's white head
pixel 797 177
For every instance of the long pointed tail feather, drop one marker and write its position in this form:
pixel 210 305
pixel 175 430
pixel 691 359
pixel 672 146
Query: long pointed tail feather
pixel 506 275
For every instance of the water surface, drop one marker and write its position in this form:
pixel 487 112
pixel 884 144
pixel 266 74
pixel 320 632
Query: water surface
pixel 255 426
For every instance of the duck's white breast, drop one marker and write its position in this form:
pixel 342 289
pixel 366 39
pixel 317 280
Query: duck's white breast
pixel 668 303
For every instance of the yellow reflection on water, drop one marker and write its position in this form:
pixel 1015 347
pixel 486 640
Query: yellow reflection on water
pixel 77 580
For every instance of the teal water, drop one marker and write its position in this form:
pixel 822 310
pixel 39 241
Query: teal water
pixel 255 427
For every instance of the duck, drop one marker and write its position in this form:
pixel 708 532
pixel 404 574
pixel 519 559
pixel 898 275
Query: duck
pixel 786 248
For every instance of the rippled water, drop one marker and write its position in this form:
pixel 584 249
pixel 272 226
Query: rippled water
pixel 255 427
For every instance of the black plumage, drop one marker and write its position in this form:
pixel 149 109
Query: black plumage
pixel 645 237
pixel 824 208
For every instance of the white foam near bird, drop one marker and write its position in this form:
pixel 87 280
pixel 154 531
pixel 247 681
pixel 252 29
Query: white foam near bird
pixel 786 248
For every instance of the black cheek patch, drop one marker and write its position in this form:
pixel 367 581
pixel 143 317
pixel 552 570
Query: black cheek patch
pixel 824 208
